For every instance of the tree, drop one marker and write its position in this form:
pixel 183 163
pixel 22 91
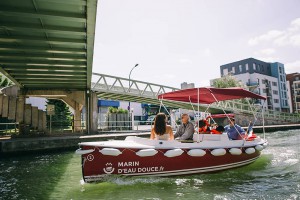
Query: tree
pixel 62 117
pixel 227 82
pixel 230 81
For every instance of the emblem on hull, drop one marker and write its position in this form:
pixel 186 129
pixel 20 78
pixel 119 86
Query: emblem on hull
pixel 109 168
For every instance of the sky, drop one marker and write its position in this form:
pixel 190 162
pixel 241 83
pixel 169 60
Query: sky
pixel 176 41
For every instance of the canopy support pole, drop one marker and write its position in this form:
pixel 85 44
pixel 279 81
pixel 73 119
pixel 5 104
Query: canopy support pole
pixel 228 118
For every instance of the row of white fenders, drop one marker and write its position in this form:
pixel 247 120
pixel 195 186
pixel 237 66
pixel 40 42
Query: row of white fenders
pixel 176 152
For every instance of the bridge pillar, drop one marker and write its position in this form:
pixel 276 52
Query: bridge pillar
pixel 92 112
pixel 20 109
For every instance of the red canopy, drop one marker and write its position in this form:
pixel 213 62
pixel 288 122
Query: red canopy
pixel 209 95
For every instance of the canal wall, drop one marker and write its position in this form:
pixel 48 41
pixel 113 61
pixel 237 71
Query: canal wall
pixel 23 145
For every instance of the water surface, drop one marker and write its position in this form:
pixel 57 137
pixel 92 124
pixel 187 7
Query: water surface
pixel 275 175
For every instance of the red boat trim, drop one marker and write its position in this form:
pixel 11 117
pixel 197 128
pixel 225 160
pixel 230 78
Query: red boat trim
pixel 179 172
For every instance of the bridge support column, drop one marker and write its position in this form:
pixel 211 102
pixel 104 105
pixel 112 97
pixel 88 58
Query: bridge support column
pixel 20 109
pixel 94 112
pixel 77 118
pixel 91 112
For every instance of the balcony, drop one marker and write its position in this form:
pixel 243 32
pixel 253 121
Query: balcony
pixel 252 84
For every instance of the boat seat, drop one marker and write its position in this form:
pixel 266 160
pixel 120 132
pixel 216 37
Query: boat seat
pixel 209 137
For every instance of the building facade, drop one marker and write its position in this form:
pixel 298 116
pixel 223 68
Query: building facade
pixel 294 85
pixel 266 79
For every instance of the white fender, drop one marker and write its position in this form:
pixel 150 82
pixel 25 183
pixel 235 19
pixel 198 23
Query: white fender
pixel 250 150
pixel 259 147
pixel 218 152
pixel 146 152
pixel 173 153
pixel 265 145
pixel 110 152
pixel 81 152
pixel 196 152
pixel 235 151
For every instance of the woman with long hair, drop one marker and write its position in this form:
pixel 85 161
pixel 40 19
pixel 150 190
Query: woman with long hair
pixel 161 131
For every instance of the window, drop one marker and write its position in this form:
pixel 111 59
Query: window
pixel 225 71
pixel 277 109
pixel 247 67
pixel 264 91
pixel 254 66
pixel 274 83
pixel 297 78
pixel 262 68
pixel 276 100
pixel 240 68
pixel 233 70
pixel 275 92
pixel 280 70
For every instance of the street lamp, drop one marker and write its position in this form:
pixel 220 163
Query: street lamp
pixel 129 84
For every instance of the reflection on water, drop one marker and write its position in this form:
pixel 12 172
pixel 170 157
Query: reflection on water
pixel 275 175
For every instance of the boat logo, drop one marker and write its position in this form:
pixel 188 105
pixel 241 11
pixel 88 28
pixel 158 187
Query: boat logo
pixel 90 157
pixel 108 169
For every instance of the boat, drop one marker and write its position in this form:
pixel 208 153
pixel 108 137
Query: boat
pixel 136 156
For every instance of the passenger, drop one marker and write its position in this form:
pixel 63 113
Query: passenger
pixel 186 129
pixel 161 131
pixel 234 131
pixel 203 126
pixel 218 130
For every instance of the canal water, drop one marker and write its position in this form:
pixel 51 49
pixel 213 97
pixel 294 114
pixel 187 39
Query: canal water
pixel 275 175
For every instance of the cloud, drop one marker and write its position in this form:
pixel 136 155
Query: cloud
pixel 270 35
pixel 185 61
pixel 292 67
pixel 268 51
pixel 288 36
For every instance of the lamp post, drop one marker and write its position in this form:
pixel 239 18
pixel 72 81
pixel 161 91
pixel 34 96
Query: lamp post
pixel 129 84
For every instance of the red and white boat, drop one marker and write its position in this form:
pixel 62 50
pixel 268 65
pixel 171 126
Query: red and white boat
pixel 137 156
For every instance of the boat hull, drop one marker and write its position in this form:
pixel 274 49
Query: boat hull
pixel 95 165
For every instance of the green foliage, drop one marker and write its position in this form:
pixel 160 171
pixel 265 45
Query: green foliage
pixel 227 82
pixel 117 110
pixel 62 117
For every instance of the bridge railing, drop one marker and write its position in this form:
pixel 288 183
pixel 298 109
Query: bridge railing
pixel 113 84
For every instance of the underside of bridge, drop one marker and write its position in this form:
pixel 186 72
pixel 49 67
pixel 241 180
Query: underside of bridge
pixel 153 101
pixel 46 49
pixel 47 44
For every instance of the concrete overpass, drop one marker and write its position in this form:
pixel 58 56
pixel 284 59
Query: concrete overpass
pixel 46 49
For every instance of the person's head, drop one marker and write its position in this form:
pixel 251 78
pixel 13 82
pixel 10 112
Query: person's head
pixel 160 123
pixel 185 118
pixel 231 121
pixel 202 123
pixel 220 129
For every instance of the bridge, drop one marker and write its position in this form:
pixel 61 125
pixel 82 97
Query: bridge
pixel 46 49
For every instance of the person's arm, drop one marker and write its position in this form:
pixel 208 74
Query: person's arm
pixel 188 133
pixel 177 134
pixel 242 132
pixel 152 135
pixel 171 134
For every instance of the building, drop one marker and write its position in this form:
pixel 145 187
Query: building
pixel 266 79
pixel 186 85
pixel 294 85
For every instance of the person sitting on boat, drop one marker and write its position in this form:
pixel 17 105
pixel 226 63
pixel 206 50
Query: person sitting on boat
pixel 234 131
pixel 186 129
pixel 218 130
pixel 161 131
pixel 203 126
